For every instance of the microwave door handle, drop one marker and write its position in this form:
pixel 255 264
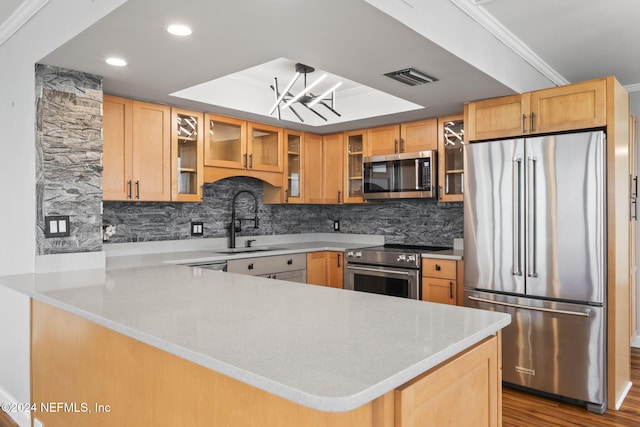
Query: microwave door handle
pixel 417 177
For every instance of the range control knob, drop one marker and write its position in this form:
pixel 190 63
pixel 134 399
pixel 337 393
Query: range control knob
pixel 358 254
pixel 411 258
pixel 350 254
pixel 401 257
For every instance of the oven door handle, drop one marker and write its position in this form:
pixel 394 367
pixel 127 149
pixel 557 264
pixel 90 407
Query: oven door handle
pixel 379 270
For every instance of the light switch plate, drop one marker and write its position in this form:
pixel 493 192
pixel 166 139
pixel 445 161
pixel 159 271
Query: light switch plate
pixel 57 226
pixel 197 228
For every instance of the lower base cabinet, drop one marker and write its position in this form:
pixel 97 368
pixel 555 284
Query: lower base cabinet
pixel 125 382
pixel 325 268
pixel 442 281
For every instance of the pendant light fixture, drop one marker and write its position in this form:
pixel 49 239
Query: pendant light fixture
pixel 306 98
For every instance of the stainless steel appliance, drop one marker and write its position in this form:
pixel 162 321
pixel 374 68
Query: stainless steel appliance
pixel 534 247
pixel 389 270
pixel 404 175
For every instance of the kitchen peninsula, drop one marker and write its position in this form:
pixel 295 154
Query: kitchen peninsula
pixel 172 345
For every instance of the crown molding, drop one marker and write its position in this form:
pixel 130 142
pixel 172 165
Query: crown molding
pixel 22 15
pixel 479 14
pixel 633 88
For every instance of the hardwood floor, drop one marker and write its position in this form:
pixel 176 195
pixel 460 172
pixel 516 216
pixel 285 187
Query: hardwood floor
pixel 522 409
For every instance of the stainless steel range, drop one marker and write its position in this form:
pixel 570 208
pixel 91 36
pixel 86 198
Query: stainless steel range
pixel 389 270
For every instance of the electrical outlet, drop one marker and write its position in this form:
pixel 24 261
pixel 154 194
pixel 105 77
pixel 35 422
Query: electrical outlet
pixel 197 228
pixel 336 225
pixel 56 226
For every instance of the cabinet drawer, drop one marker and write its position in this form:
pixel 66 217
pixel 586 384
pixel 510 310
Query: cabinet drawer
pixel 267 264
pixel 440 268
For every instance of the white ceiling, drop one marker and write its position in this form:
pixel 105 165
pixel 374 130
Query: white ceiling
pixel 476 51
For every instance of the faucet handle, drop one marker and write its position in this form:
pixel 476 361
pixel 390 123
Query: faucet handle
pixel 249 241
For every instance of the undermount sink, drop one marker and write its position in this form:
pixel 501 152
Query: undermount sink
pixel 245 250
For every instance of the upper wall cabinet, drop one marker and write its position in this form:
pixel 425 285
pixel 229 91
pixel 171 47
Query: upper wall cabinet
pixel 353 153
pixel 187 148
pixel 323 168
pixel 237 144
pixel 291 189
pixel 570 107
pixel 225 144
pixel 450 159
pixel 136 150
pixel 404 138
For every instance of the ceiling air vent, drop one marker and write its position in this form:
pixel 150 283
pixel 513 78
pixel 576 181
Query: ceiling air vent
pixel 411 77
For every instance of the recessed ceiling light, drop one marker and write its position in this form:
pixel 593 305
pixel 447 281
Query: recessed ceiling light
pixel 116 62
pixel 179 30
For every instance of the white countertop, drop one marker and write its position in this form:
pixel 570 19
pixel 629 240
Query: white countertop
pixel 329 349
pixel 454 254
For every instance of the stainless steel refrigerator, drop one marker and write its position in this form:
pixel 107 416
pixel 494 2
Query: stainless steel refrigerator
pixel 535 247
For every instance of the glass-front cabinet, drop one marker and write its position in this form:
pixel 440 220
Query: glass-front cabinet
pixel 450 146
pixel 264 151
pixel 225 142
pixel 187 151
pixel 355 147
pixel 293 192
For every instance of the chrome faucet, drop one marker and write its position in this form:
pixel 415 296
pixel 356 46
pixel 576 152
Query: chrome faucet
pixel 236 223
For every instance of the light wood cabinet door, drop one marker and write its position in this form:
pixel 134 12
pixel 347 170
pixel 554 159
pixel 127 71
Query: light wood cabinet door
pixel 575 106
pixel 419 136
pixel 117 149
pixel 355 147
pixel 313 169
pixel 442 291
pixel 293 167
pixel 316 268
pixel 225 144
pixel 451 139
pixel 335 269
pixel 151 151
pixel 497 117
pixel 325 268
pixel 332 151
pixel 468 386
pixel 383 140
pixel 186 155
pixel 264 148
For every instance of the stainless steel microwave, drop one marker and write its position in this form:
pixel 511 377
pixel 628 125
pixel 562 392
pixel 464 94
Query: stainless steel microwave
pixel 404 175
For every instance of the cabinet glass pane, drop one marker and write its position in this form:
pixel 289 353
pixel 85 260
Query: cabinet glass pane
pixel 264 147
pixel 354 153
pixel 224 141
pixel 293 172
pixel 187 128
pixel 453 167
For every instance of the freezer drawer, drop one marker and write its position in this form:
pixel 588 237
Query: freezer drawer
pixel 556 348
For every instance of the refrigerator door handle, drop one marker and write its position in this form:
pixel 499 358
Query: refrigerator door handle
pixel 516 185
pixel 586 313
pixel 532 270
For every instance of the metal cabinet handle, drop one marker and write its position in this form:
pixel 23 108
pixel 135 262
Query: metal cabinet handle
pixel 250 266
pixel 395 145
pixel 245 163
pixel 532 242
pixel 516 268
pixel 401 145
pixel 339 196
pixel 289 261
pixel 533 121
pixel 524 123
pixel 129 189
pixel 438 268
pixel 286 195
pixel 137 189
pixel 450 290
pixel 339 261
pixel 250 161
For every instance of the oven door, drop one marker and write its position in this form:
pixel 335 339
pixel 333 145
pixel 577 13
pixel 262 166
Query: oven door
pixel 399 282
